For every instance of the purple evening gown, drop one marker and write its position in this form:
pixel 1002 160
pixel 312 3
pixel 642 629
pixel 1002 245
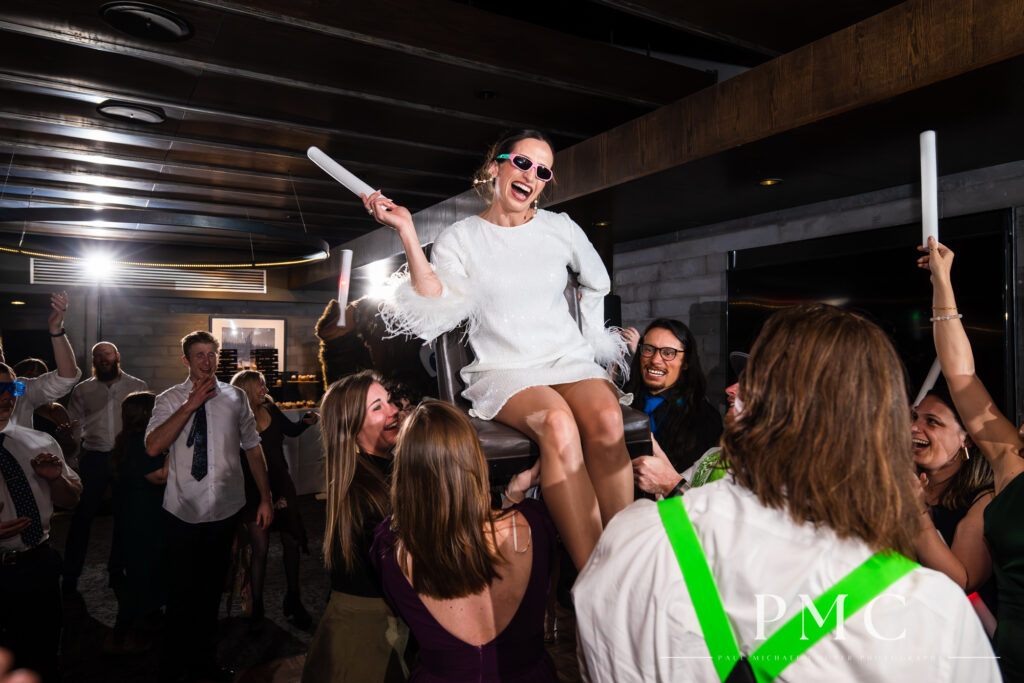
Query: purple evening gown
pixel 516 654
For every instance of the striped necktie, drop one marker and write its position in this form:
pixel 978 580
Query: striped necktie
pixel 21 494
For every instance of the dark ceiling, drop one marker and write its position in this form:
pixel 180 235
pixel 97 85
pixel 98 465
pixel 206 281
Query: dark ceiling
pixel 408 94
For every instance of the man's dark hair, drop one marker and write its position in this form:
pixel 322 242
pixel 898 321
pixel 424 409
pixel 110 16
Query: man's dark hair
pixel 682 434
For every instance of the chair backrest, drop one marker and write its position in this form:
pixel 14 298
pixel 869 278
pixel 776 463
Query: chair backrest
pixel 452 351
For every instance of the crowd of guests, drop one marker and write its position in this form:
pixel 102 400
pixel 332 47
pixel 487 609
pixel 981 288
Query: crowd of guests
pixel 779 542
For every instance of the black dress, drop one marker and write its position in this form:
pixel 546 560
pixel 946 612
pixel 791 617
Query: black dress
pixel 287 519
pixel 137 549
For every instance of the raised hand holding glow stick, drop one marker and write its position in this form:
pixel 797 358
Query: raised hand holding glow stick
pixel 338 172
pixel 929 189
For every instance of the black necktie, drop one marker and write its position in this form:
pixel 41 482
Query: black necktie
pixel 21 494
pixel 197 439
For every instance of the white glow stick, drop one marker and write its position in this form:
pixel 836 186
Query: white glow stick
pixel 929 382
pixel 338 172
pixel 929 189
pixel 344 277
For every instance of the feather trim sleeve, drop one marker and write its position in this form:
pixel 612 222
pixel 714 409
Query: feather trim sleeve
pixel 610 349
pixel 406 312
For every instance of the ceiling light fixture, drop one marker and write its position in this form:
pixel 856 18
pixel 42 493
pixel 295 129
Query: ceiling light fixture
pixel 146 21
pixel 768 182
pixel 17 303
pixel 128 111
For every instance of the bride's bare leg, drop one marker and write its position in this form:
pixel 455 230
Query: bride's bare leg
pixel 599 419
pixel 543 415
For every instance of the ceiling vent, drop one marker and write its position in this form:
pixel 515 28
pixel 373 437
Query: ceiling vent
pixel 146 21
pixel 224 280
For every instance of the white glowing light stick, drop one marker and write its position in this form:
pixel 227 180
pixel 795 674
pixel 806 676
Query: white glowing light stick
pixel 344 277
pixel 929 382
pixel 338 172
pixel 929 189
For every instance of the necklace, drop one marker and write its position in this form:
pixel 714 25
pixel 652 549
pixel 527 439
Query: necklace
pixel 515 537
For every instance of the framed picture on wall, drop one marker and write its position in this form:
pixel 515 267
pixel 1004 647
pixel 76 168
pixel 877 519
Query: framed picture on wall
pixel 247 337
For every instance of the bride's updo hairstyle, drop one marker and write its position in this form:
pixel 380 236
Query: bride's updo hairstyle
pixel 482 179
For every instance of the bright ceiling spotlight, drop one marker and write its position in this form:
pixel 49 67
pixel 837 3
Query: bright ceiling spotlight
pixel 16 302
pixel 98 266
pixel 376 275
pixel 768 182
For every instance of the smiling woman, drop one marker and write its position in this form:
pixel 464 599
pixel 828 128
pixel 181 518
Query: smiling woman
pixel 536 370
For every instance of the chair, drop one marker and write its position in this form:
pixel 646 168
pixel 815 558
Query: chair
pixel 509 451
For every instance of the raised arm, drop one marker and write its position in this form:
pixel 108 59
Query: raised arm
pixel 398 218
pixel 63 354
pixel 996 436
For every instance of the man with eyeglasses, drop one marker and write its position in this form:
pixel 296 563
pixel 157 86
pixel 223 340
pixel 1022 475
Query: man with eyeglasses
pixel 56 383
pixel 33 477
pixel 668 384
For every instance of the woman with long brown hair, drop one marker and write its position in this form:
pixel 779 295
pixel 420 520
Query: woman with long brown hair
pixel 956 484
pixel 471 582
pixel 820 497
pixel 1002 446
pixel 536 369
pixel 358 638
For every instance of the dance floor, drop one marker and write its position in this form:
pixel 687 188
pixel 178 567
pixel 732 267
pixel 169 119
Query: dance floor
pixel 271 650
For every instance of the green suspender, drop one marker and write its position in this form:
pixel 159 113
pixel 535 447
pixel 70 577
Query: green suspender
pixel 860 586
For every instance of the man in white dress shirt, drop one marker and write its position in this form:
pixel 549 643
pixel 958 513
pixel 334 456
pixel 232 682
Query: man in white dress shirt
pixel 56 383
pixel 204 424
pixel 33 476
pixel 821 479
pixel 95 412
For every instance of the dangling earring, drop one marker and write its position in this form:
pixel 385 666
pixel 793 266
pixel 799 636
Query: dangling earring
pixel 536 205
pixel 967 454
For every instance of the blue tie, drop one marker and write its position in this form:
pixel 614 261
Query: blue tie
pixel 197 439
pixel 21 494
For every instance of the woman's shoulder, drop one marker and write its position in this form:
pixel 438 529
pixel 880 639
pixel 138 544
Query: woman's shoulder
pixel 536 513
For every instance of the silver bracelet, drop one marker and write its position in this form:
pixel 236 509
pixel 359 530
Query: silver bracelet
pixel 940 318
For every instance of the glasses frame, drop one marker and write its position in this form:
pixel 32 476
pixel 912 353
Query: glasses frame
pixel 15 388
pixel 668 357
pixel 512 158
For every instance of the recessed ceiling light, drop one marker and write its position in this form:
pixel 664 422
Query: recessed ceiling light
pixel 146 21
pixel 127 111
pixel 768 182
pixel 17 303
pixel 601 224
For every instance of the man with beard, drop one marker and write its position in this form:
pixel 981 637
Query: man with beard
pixel 95 411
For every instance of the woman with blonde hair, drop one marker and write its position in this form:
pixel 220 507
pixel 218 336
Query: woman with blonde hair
pixel 358 638
pixel 471 583
pixel 274 426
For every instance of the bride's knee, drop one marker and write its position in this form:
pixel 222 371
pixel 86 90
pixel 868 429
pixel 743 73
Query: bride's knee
pixel 603 426
pixel 559 433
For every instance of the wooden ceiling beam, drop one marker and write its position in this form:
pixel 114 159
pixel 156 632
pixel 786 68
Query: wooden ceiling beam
pixel 458 35
pixel 200 66
pixel 907 47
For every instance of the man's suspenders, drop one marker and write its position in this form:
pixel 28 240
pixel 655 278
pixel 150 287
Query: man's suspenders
pixel 792 639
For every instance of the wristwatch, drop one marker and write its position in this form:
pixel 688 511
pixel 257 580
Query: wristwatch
pixel 679 489
pixel 59 334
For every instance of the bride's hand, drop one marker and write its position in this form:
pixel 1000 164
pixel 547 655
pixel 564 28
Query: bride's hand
pixel 386 212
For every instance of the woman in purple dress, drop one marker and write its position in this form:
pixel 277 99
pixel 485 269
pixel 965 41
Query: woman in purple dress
pixel 470 582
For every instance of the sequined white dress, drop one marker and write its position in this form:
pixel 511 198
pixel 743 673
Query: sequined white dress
pixel 509 283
